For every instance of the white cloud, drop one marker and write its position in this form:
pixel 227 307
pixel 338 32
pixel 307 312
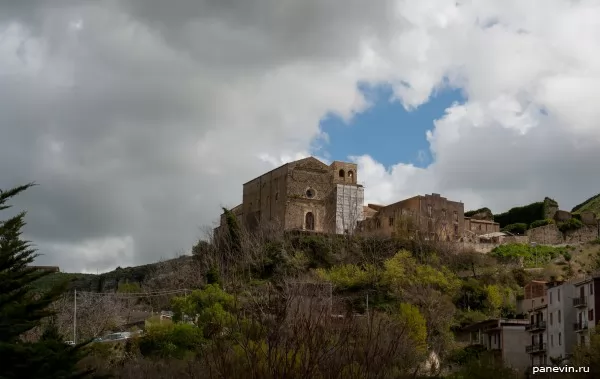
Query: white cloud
pixel 141 118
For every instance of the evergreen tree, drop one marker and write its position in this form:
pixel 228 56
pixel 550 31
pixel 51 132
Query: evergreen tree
pixel 22 309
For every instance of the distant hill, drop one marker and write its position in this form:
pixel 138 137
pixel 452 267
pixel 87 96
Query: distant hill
pixel 590 205
pixel 108 281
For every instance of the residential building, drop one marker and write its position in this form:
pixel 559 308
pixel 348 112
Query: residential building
pixel 304 195
pixel 481 227
pixel 428 216
pixel 585 299
pixel 536 307
pixel 505 338
pixel 561 318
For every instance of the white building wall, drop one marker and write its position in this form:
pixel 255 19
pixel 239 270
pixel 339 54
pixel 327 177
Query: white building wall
pixel 561 336
pixel 583 314
pixel 349 207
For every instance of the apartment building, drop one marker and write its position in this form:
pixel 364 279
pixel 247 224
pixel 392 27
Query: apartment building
pixel 504 337
pixel 561 318
pixel 585 299
pixel 536 307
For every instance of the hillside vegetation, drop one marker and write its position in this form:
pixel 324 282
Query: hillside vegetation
pixel 247 312
pixel 590 205
pixel 526 214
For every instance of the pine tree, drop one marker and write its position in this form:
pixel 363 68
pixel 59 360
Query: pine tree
pixel 22 309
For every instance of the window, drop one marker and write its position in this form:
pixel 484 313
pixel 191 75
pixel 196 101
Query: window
pixel 455 216
pixel 591 315
pixel 559 317
pixel 429 226
pixel 558 295
pixel 391 221
pixel 309 221
pixel 456 229
pixel 583 340
pixel 443 213
pixel 429 210
pixel 550 297
pixel 350 174
pixel 310 193
pixel 559 339
pixel 377 223
pixel 276 196
pixel 479 226
pixel 551 318
pixel 591 288
pixel 552 340
pixel 341 173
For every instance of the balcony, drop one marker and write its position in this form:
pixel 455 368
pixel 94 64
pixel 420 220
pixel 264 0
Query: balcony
pixel 580 326
pixel 536 348
pixel 580 302
pixel 540 325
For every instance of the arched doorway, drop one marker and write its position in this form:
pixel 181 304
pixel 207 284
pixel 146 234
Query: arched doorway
pixel 309 221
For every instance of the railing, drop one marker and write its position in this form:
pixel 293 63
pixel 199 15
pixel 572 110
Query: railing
pixel 580 326
pixel 579 302
pixel 538 347
pixel 540 325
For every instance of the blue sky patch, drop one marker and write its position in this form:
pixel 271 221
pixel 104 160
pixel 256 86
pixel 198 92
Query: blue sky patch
pixel 386 131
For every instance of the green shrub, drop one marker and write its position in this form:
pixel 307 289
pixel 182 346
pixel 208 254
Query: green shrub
pixel 571 224
pixel 519 228
pixel 171 340
pixel 538 223
pixel 350 276
pixel 533 256
pixel 526 214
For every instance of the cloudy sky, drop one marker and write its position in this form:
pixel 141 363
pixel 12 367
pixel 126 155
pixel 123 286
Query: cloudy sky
pixel 140 118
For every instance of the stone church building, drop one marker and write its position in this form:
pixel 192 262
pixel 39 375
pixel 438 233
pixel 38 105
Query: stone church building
pixel 304 195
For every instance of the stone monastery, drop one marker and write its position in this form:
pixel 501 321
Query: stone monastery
pixel 308 195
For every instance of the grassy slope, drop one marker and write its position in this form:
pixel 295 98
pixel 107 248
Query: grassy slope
pixel 590 205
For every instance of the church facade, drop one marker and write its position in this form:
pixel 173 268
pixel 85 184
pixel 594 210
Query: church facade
pixel 306 194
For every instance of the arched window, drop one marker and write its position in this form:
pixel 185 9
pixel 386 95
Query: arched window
pixel 350 174
pixel 342 173
pixel 309 221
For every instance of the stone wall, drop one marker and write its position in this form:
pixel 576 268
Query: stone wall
pixel 547 235
pixel 514 239
pixel 585 234
pixel 589 218
pixel 550 235
pixel 561 216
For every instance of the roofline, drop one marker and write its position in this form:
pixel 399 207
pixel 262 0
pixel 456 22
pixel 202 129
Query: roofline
pixel 268 172
pixel 285 164
pixel 342 162
pixel 502 321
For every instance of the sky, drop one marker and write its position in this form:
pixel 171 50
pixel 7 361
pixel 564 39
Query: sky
pixel 139 119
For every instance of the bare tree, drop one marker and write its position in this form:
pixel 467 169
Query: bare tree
pixel 96 314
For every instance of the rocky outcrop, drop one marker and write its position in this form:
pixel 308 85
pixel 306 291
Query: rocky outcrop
pixel 562 216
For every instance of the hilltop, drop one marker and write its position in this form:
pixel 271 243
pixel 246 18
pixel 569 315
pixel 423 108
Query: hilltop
pixel 590 205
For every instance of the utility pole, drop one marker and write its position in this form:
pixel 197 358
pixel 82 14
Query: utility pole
pixel 75 317
pixel 368 317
